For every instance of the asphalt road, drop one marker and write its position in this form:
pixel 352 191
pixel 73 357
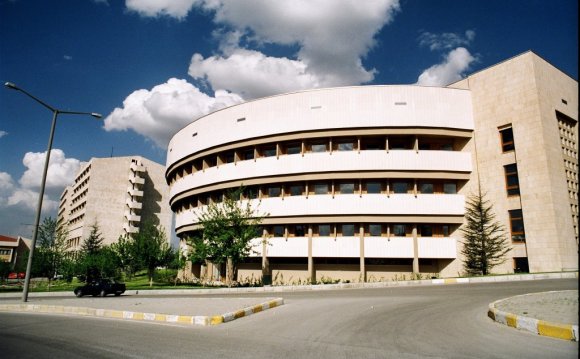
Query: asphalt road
pixel 399 322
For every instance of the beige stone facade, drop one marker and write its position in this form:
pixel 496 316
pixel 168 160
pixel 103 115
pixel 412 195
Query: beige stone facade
pixel 540 104
pixel 369 183
pixel 119 194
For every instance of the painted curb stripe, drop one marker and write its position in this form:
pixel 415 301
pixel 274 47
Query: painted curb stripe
pixel 536 326
pixel 129 315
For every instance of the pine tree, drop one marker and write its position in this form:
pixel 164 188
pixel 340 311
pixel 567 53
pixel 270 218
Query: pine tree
pixel 484 245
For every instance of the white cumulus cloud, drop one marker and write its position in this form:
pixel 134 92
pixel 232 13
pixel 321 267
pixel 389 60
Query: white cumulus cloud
pixel 454 65
pixel 446 40
pixel 61 170
pixel 154 8
pixel 160 112
pixel 3 133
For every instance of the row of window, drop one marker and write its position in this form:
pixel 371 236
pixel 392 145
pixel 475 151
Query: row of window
pixel 5 252
pixel 333 187
pixel 362 143
pixel 352 229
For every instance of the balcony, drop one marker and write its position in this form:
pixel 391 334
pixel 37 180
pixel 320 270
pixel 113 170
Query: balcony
pixel 132 217
pixel 134 204
pixel 137 167
pixel 136 179
pixel 130 229
pixel 134 192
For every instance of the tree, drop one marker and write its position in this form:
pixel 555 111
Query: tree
pixel 124 250
pixel 485 244
pixel 89 262
pixel 51 252
pixel 227 228
pixel 151 249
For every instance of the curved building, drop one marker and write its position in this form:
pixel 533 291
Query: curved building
pixel 359 183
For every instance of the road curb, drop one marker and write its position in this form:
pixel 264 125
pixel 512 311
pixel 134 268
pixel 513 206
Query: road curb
pixel 533 325
pixel 314 287
pixel 142 316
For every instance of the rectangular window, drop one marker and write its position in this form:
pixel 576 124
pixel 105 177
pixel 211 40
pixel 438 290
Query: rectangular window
pixel 228 157
pixel 299 230
pixel 296 190
pixel 445 230
pixel 318 147
pixel 321 188
pixel 346 188
pixel 507 139
pixel 278 231
pixel 293 148
pixel 347 230
pixel 400 187
pixel 426 187
pixel 345 146
pixel 450 188
pixel 268 151
pixel 517 225
pixel 375 230
pixel 323 230
pixel 511 179
pixel 426 230
pixel 372 144
pixel 373 187
pixel 251 192
pixel 274 191
pixel 247 154
pixel 399 230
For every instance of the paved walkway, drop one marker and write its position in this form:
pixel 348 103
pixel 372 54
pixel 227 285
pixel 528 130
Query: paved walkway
pixel 553 314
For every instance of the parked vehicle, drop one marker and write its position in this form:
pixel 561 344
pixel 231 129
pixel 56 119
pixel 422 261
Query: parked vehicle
pixel 101 287
pixel 14 275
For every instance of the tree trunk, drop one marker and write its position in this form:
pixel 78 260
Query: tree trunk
pixel 230 272
pixel 150 275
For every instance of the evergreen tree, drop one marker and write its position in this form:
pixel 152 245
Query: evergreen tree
pixel 151 249
pixel 89 262
pixel 485 241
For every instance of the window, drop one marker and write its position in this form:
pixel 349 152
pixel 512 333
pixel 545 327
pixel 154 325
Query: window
pixel 373 144
pixel 268 151
pixel 228 157
pixel 507 139
pixel 274 191
pixel 511 179
pixel 278 231
pixel 345 145
pixel 318 147
pixel 426 187
pixel 293 148
pixel 347 230
pixel 247 154
pixel 445 230
pixel 299 230
pixel 321 188
pixel 251 192
pixel 426 230
pixel 375 230
pixel 324 230
pixel 296 190
pixel 517 225
pixel 346 188
pixel 399 230
pixel 373 187
pixel 400 187
pixel 450 188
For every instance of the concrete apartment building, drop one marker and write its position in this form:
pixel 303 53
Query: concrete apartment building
pixel 370 182
pixel 119 194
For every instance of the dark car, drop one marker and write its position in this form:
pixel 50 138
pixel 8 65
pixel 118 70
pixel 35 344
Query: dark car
pixel 101 287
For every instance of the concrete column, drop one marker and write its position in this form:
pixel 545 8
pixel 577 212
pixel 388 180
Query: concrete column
pixel 363 271
pixel 266 272
pixel 311 273
pixel 415 250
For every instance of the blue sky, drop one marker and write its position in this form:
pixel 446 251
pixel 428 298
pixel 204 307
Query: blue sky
pixel 152 66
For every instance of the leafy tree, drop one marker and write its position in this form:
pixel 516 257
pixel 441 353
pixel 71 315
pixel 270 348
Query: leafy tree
pixel 124 250
pixel 151 249
pixel 4 270
pixel 51 250
pixel 227 228
pixel 484 245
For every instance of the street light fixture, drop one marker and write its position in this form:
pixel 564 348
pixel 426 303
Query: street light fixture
pixel 55 113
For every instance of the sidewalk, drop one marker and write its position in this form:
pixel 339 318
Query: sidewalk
pixel 553 314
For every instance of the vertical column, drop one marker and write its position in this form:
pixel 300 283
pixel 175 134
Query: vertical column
pixel 363 271
pixel 415 250
pixel 311 273
pixel 266 272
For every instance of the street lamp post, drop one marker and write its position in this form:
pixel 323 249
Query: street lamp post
pixel 55 113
